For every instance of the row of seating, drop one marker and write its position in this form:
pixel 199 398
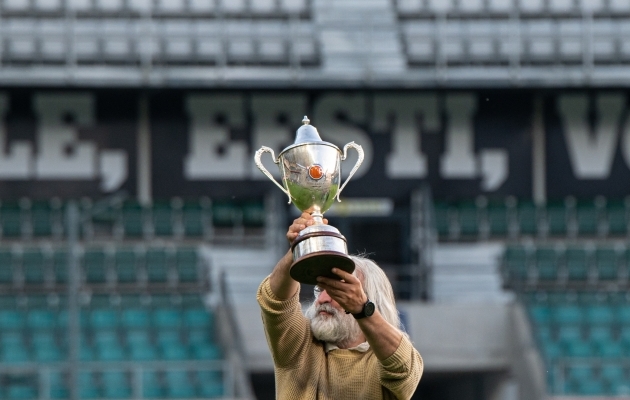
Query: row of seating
pixel 171 8
pixel 120 384
pixel 182 50
pixel 136 329
pixel 48 265
pixel 26 219
pixel 482 219
pixel 584 338
pixel 495 44
pixel 535 264
pixel 476 8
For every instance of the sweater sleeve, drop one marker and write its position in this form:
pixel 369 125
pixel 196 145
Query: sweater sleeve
pixel 286 328
pixel 401 372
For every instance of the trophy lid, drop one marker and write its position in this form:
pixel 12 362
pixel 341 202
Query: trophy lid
pixel 307 133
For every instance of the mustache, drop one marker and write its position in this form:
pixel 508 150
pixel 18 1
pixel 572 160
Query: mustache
pixel 327 307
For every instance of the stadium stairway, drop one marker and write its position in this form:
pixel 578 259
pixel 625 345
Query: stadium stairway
pixel 468 273
pixel 244 269
pixel 356 33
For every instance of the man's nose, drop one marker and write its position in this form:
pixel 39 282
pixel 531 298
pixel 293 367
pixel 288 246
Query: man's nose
pixel 324 297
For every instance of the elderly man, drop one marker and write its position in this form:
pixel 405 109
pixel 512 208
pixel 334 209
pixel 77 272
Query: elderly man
pixel 349 344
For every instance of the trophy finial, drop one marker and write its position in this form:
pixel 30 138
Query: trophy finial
pixel 306 121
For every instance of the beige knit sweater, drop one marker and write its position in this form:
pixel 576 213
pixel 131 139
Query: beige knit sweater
pixel 304 370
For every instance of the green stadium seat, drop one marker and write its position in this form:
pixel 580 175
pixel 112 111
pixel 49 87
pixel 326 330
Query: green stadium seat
pixel 580 372
pixel 547 262
pixel 498 219
pixel 95 266
pixel 577 264
pixel 516 263
pixel 206 351
pixel 254 214
pixel 616 218
pixel 590 387
pixel 142 352
pixel 442 212
pixel 610 350
pixel 543 333
pixel 569 333
pixel 6 266
pixel 60 266
pixel 612 373
pixel 151 385
pixel 14 354
pixel 599 315
pixel 527 216
pixel 174 351
pixel 104 318
pixel 600 334
pixel 167 318
pixel 551 351
pixel 21 392
pixel 33 265
pixel 163 216
pixel 568 314
pixel 623 314
pixel 11 219
pixel 226 214
pixel 126 265
pixel 541 314
pixel 133 219
pixel 468 219
pixel 195 218
pixel 41 319
pixel 115 385
pixel 11 320
pixel 136 318
pixel 186 265
pixel 157 264
pixel 42 218
pixel 557 219
pixel 198 318
pixel 579 348
pixel 168 336
pixel 58 386
pixel 588 220
pixel 178 384
pixel 88 388
pixel 199 336
pixel 607 263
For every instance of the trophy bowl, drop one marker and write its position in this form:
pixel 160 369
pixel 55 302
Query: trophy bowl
pixel 310 171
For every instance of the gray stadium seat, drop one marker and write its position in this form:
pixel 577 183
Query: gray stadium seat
pixel 561 6
pixel 15 5
pixel 619 6
pixel 441 6
pixel 294 6
pixel 141 6
pixel 47 5
pixel 471 6
pixel 201 6
pixel 501 6
pixel 265 7
pixel 531 6
pixel 592 6
pixel 79 5
pixel 109 6
pixel 233 6
pixel 170 6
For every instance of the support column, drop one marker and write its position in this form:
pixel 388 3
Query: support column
pixel 144 177
pixel 539 153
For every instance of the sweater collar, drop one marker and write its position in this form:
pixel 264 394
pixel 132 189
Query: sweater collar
pixel 362 348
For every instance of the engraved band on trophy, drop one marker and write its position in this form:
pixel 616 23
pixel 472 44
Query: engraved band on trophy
pixel 310 170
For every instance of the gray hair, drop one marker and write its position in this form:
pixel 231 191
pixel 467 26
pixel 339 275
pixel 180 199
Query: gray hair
pixel 378 288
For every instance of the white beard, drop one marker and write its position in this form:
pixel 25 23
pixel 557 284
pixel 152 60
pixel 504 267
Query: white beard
pixel 338 328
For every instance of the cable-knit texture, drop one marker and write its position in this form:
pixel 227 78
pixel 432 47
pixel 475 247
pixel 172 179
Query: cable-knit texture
pixel 303 369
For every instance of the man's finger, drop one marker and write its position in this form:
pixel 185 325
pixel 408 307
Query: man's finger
pixel 345 275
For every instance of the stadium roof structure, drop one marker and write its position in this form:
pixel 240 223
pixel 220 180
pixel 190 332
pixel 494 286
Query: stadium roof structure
pixel 315 43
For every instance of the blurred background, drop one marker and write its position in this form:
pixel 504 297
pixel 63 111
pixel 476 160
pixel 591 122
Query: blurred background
pixel 135 227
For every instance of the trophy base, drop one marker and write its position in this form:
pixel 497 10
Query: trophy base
pixel 306 269
pixel 316 251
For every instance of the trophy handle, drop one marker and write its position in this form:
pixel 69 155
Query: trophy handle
pixel 265 149
pixel 359 150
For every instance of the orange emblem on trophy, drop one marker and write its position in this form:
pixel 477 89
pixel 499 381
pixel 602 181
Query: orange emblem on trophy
pixel 316 172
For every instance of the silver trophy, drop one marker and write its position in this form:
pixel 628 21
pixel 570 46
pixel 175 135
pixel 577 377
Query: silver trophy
pixel 310 170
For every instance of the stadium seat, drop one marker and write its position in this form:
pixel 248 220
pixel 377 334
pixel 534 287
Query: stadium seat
pixel 178 384
pixel 126 265
pixel 195 215
pixel 151 385
pixel 11 320
pixel 95 266
pixel 541 314
pixel 568 314
pixel 115 385
pixel 6 266
pixel 60 266
pixel 157 263
pixel 11 219
pixel 607 263
pixel 253 211
pixel 516 263
pixel 33 266
pixel 577 264
pixel 443 219
pixel 616 218
pixel 164 217
pixel 88 388
pixel 186 265
pixel 198 318
pixel 468 219
pixel 547 262
pixel 136 318
pixel 103 319
pixel 527 215
pixel 167 318
pixel 599 315
pixel 557 219
pixel 41 319
pixel 21 392
pixel 226 214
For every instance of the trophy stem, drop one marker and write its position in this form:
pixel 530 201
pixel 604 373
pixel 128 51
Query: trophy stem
pixel 318 218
